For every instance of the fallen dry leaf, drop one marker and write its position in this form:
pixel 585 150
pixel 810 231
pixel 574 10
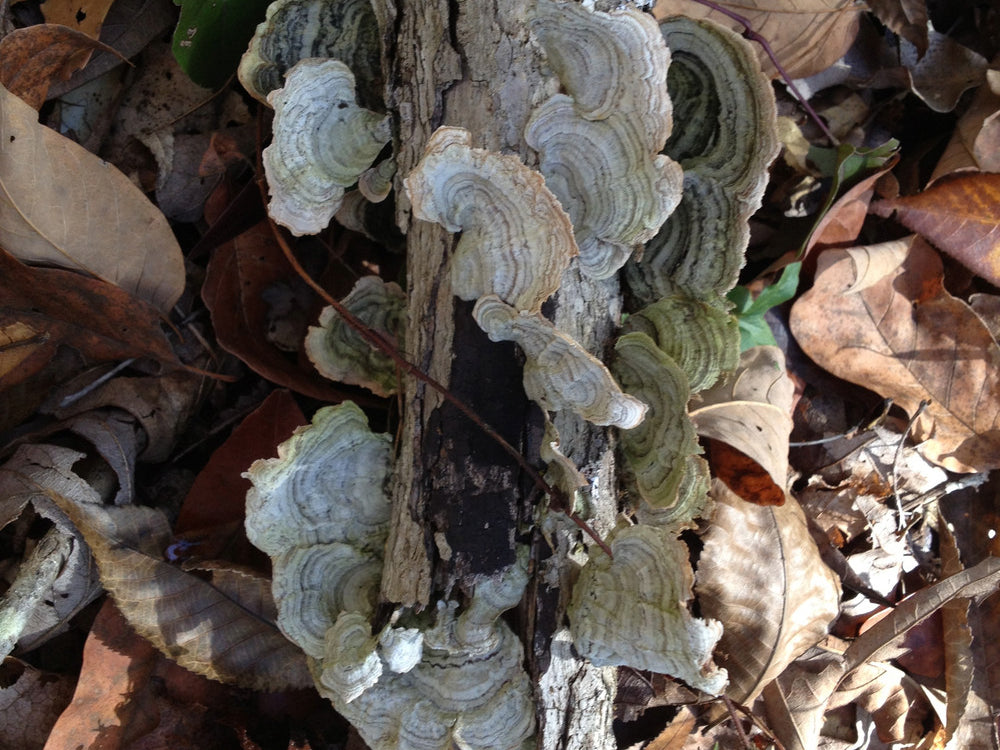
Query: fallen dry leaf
pixel 62 205
pixel 675 734
pixel 48 307
pixel 968 535
pixel 223 628
pixel 85 16
pixel 121 697
pixel 32 57
pixel 161 404
pixel 131 697
pixel 907 18
pixel 235 291
pixel 804 691
pixel 129 26
pixel 807 36
pixel 841 224
pixel 960 215
pixel 747 417
pixel 902 335
pixel 218 495
pixel 976 141
pixel 30 702
pixel 24 350
pixel 944 72
pixel 761 575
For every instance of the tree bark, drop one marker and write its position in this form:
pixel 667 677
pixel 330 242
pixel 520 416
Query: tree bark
pixel 461 502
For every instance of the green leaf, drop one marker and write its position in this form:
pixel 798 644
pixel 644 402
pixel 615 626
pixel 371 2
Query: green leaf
pixel 754 330
pixel 847 165
pixel 211 36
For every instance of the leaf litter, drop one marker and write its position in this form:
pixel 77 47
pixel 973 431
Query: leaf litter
pixel 879 313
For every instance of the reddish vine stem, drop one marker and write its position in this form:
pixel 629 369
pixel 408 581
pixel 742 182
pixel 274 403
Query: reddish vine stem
pixel 375 339
pixel 753 36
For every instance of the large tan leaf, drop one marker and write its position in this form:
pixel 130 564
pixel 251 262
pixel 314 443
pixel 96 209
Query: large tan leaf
pixel 893 328
pixel 62 205
pixel 807 36
pixel 761 576
pixel 751 412
pixel 222 628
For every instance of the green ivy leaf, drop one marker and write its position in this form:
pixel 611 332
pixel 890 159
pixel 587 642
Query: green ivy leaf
pixel 211 36
pixel 749 312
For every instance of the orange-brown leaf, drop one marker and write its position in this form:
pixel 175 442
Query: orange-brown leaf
pixel 85 16
pixel 32 57
pixel 959 215
pixel 218 495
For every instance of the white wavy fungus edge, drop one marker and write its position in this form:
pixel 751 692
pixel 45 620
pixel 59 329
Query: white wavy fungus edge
pixel 632 610
pixel 599 143
pixel 323 143
pixel 320 512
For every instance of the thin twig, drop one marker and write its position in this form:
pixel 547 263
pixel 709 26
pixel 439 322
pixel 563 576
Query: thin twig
pixel 901 523
pixel 753 36
pixel 737 725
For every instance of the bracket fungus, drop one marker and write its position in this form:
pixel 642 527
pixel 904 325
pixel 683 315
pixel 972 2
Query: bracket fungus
pixel 699 335
pixel 657 449
pixel 323 143
pixel 516 238
pixel 294 30
pixel 632 610
pixel 727 142
pixel 320 512
pixel 558 372
pixel 338 351
pixel 599 144
pixel 468 689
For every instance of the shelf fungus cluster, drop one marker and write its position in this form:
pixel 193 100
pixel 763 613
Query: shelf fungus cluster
pixel 609 182
pixel 725 147
pixel 599 143
pixel 516 243
pixel 317 63
pixel 294 30
pixel 681 342
pixel 320 512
